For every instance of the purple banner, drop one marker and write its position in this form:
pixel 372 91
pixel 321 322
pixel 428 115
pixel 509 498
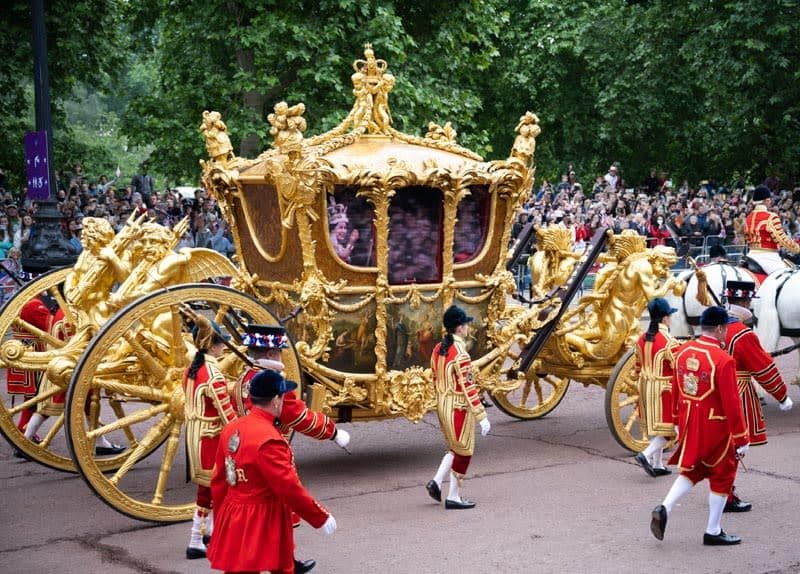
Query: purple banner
pixel 37 165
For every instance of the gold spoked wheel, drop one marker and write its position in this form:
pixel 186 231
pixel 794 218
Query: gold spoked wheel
pixel 622 405
pixel 534 398
pixel 134 368
pixel 49 446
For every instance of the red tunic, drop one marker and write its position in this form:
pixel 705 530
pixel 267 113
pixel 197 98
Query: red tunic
pixel 295 415
pixel 763 230
pixel 654 367
pixel 253 516
pixel 706 405
pixel 36 313
pixel 753 362
pixel 208 408
pixel 61 330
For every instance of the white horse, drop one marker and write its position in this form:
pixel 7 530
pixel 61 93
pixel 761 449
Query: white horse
pixel 686 322
pixel 778 310
pixel 776 306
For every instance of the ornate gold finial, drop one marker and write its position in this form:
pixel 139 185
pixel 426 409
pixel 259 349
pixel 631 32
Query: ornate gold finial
pixel 288 125
pixel 218 144
pixel 525 143
pixel 371 86
pixel 444 133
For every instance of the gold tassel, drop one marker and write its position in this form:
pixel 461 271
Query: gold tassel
pixel 702 295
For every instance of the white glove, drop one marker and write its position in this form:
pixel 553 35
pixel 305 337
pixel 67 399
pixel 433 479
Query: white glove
pixel 786 405
pixel 486 426
pixel 342 437
pixel 330 525
pixel 742 450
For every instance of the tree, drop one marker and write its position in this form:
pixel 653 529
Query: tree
pixel 85 43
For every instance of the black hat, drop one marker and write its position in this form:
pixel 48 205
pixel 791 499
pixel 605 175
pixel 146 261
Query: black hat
pixel 717 251
pixel 265 337
pixel 761 193
pixel 660 308
pixel 740 289
pixel 455 316
pixel 715 316
pixel 267 384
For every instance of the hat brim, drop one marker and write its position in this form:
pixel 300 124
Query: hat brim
pixel 290 386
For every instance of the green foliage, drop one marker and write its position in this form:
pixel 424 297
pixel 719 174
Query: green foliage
pixel 698 88
pixel 85 43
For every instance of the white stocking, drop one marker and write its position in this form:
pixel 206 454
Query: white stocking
pixel 33 425
pixel 444 468
pixel 716 504
pixel 196 538
pixel 102 441
pixel 681 486
pixel 656 446
pixel 455 487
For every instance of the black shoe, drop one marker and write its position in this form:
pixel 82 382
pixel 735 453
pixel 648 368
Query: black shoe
pixel 109 450
pixel 658 521
pixel 642 459
pixel 301 566
pixel 737 505
pixel 487 404
pixel 661 471
pixel 195 553
pixel 19 454
pixel 458 504
pixel 720 539
pixel 434 491
pixel 206 539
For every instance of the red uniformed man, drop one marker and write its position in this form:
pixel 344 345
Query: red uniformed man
pixel 265 344
pixel 752 362
pixel 458 405
pixel 710 422
pixel 208 409
pixel 256 489
pixel 62 330
pixel 22 381
pixel 765 235
pixel 655 354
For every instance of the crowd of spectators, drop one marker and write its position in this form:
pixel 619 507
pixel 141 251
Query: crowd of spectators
pixel 114 199
pixel 690 218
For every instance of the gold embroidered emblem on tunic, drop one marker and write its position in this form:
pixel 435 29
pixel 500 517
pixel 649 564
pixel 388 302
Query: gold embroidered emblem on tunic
pixel 692 363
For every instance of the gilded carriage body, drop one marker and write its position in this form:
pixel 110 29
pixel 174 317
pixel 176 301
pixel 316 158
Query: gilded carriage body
pixel 373 233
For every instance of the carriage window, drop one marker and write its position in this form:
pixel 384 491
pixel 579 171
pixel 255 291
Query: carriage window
pixel 472 226
pixel 351 228
pixel 415 236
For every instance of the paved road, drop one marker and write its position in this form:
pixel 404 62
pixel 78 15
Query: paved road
pixel 554 495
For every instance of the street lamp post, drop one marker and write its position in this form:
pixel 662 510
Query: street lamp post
pixel 47 247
